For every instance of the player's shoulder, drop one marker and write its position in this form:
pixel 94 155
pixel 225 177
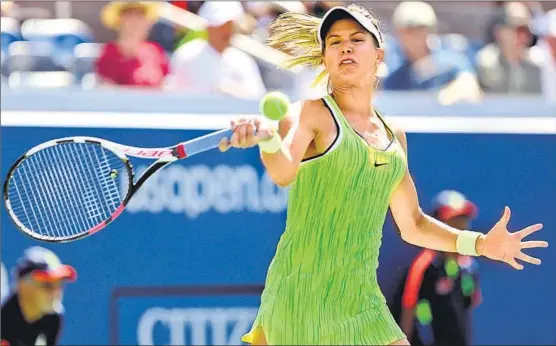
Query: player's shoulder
pixel 312 105
pixel 396 127
pixel 313 111
pixel 306 111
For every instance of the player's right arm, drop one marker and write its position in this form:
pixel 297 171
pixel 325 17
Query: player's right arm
pixel 298 129
pixel 297 132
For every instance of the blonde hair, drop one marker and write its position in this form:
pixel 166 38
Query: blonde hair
pixel 297 35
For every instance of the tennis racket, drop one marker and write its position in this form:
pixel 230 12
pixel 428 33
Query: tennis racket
pixel 68 188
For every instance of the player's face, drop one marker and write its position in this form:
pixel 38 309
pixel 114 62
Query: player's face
pixel 47 294
pixel 350 54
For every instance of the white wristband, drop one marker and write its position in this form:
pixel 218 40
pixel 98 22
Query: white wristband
pixel 466 243
pixel 271 145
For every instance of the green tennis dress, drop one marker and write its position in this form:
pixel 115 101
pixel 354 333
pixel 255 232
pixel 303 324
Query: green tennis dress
pixel 321 287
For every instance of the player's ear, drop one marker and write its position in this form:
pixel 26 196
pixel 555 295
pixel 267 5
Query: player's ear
pixel 323 55
pixel 379 55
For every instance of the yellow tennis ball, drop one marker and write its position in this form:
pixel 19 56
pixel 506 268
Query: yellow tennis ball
pixel 274 105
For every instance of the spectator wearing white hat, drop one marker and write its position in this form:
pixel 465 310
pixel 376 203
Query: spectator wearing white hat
pixel 213 66
pixel 423 66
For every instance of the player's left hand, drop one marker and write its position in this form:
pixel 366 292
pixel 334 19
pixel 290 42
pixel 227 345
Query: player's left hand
pixel 501 245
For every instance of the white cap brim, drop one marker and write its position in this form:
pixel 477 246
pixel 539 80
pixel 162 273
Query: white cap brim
pixel 359 17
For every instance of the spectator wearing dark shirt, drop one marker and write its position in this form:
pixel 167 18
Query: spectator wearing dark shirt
pixel 423 66
pixel 34 311
pixel 434 300
pixel 131 60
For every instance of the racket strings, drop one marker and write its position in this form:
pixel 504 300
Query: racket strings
pixel 112 195
pixel 66 190
pixel 47 189
pixel 37 181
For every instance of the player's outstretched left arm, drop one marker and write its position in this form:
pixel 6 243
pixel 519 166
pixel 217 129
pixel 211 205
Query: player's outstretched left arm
pixel 419 229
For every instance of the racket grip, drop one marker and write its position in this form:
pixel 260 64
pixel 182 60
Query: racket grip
pixel 206 142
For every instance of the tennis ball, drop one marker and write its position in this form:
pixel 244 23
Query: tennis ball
pixel 274 105
pixel 114 173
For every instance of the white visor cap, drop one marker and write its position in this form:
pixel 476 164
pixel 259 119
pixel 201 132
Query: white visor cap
pixel 365 22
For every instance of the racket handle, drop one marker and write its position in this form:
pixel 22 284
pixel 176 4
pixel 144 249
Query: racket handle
pixel 207 142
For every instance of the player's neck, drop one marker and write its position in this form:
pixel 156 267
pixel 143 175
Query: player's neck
pixel 356 101
pixel 30 312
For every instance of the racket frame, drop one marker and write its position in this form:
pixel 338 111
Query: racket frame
pixel 163 157
pixel 92 140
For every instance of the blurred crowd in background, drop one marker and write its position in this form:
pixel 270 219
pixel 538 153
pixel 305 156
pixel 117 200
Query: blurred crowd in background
pixel 155 48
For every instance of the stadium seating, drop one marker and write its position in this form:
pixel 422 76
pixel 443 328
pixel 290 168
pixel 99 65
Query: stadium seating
pixel 10 32
pixel 63 34
pixel 51 79
pixel 3 65
pixel 85 55
pixel 31 56
pixel 46 52
pixel 89 81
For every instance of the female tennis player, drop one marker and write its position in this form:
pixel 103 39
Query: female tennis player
pixel 346 165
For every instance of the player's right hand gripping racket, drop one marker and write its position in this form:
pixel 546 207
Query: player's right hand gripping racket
pixel 67 189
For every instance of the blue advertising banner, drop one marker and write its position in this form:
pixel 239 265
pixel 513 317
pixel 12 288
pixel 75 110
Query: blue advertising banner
pixel 179 315
pixel 214 221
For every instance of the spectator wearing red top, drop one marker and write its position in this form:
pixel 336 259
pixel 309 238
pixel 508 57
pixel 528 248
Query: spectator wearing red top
pixel 131 60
